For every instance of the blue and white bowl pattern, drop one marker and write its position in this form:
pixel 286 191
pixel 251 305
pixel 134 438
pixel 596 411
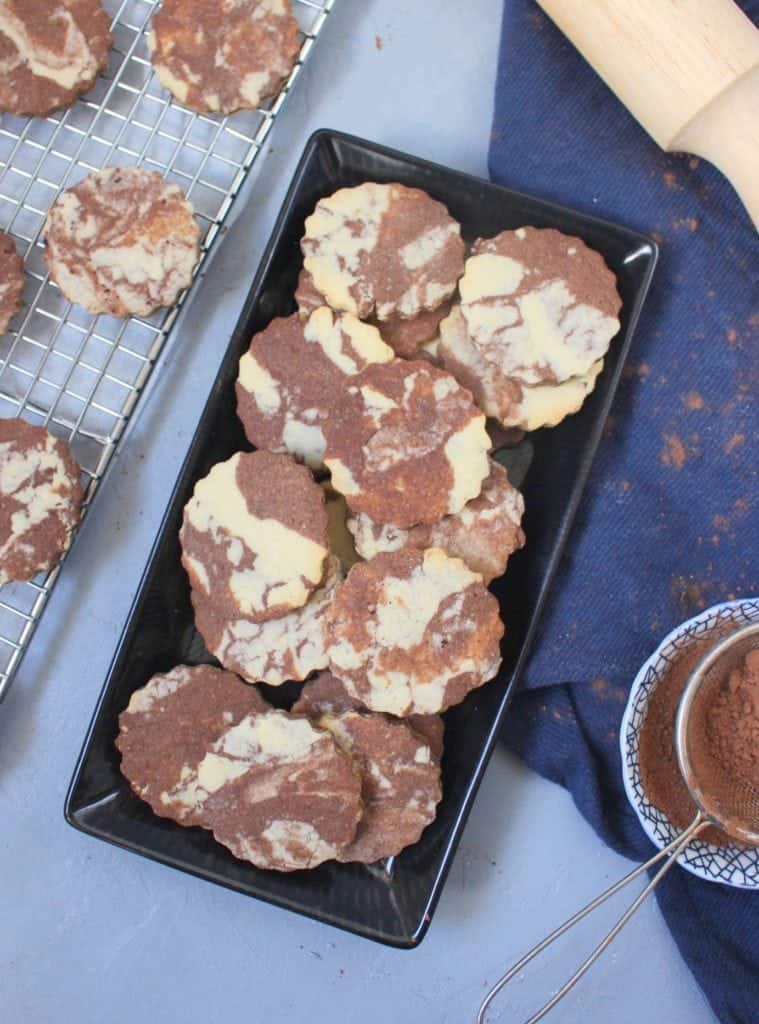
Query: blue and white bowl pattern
pixel 733 865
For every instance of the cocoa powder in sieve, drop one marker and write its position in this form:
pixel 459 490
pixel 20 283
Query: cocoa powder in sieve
pixel 732 722
pixel 731 731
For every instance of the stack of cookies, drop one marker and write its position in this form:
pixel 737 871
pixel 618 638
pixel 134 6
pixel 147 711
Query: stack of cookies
pixel 281 790
pixel 525 325
pixel 538 310
pixel 352 550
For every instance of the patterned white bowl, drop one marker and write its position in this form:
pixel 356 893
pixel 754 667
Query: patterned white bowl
pixel 733 865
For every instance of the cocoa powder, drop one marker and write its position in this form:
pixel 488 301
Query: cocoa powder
pixel 730 732
pixel 659 772
pixel 732 723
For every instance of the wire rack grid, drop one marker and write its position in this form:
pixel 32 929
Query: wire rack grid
pixel 76 374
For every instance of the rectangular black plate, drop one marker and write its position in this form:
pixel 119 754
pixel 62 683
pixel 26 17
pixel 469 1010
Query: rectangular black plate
pixel 390 903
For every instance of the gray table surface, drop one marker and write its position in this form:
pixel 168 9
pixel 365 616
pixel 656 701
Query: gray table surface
pixel 89 933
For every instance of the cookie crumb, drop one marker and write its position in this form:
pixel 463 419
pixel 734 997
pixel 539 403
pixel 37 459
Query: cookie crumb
pixel 640 370
pixel 689 593
pixel 741 507
pixel 735 441
pixel 673 454
pixel 693 401
pixel 691 223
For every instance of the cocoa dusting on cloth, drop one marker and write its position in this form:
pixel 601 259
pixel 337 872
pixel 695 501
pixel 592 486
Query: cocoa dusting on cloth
pixel 730 733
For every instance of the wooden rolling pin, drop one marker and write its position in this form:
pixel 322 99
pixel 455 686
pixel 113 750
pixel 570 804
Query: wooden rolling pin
pixel 688 70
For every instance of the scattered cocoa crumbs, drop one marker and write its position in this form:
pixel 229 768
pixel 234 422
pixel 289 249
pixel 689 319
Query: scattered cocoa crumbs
pixel 735 442
pixel 378 42
pixel 605 690
pixel 691 223
pixel 693 163
pixel 669 179
pixel 693 401
pixel 732 336
pixel 673 454
pixel 640 370
pixel 689 593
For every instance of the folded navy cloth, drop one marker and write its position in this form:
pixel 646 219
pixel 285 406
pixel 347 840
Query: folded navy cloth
pixel 669 524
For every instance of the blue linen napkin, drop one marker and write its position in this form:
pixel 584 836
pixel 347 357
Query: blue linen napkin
pixel 669 524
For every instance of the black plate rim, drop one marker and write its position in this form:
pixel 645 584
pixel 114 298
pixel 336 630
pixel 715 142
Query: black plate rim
pixel 578 493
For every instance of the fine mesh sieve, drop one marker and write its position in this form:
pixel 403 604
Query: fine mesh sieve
pixel 721 797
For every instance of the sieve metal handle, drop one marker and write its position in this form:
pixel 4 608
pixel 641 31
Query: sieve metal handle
pixel 671 851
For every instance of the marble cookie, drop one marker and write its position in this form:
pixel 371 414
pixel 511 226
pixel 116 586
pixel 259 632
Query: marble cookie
pixel 506 399
pixel 123 241
pixel 169 725
pixel 406 445
pixel 295 371
pixel 51 51
pixel 400 782
pixel 413 632
pixel 539 305
pixel 40 499
pixel 546 405
pixel 220 57
pixel 493 391
pixel 254 537
pixel 277 792
pixel 325 694
pixel 485 533
pixel 382 250
pixel 289 647
pixel 11 281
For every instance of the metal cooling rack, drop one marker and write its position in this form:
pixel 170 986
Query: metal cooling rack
pixel 76 374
